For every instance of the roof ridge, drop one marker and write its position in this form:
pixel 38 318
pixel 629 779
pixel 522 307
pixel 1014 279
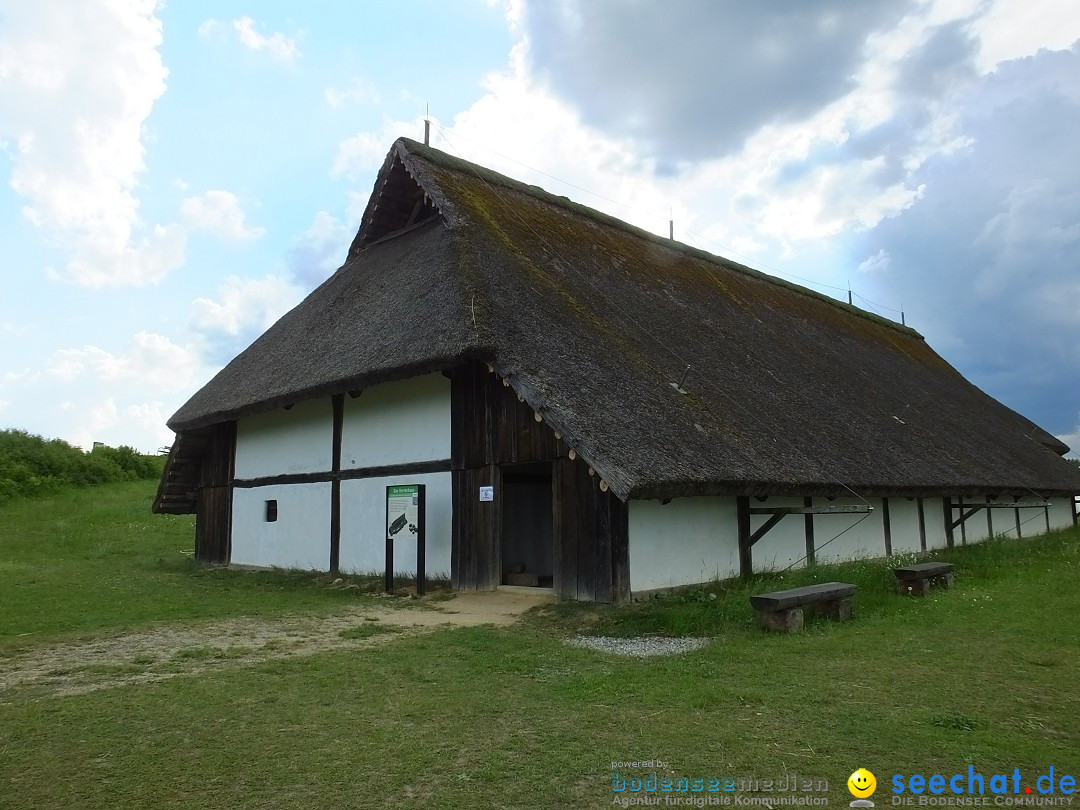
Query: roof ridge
pixel 413 149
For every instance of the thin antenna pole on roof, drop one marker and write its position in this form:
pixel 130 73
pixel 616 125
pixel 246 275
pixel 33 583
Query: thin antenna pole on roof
pixel 903 320
pixel 685 374
pixel 671 224
pixel 427 125
pixel 849 294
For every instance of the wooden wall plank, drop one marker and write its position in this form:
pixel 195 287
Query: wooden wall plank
pixel 886 526
pixel 808 532
pixel 919 506
pixel 337 403
pixel 213 500
pixel 491 428
pixel 746 558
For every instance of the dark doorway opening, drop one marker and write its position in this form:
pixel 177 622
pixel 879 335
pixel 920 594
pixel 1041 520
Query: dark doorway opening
pixel 527 525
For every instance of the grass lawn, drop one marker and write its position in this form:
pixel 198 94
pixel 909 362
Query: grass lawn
pixel 984 674
pixel 96 560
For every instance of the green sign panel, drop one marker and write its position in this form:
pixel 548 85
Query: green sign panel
pixel 402 510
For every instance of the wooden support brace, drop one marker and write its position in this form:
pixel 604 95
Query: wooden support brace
pixel 965 515
pixel 766 526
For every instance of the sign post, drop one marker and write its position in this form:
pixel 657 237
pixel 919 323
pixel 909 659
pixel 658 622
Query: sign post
pixel 405 515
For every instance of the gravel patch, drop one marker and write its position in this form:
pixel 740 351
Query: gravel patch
pixel 639 646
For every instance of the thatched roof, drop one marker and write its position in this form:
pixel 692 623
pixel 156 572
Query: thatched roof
pixel 592 320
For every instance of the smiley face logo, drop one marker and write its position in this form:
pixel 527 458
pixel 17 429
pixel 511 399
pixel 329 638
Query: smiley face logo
pixel 861 783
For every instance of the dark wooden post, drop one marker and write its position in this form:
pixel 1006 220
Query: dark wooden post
pixel 922 523
pixel 808 526
pixel 746 560
pixel 1016 511
pixel 963 523
pixel 946 506
pixel 886 526
pixel 338 403
pixel 989 519
pixel 421 542
pixel 1046 513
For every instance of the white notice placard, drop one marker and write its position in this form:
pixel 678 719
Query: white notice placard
pixel 487 493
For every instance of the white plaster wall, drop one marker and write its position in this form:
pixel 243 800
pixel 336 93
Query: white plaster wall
pixel 298 440
pixel 904 521
pixel 687 541
pixel 299 538
pixel 397 422
pixel 974 528
pixel 934 520
pixel 1003 522
pixel 1061 512
pixel 847 537
pixel 693 540
pixel 785 543
pixel 363 526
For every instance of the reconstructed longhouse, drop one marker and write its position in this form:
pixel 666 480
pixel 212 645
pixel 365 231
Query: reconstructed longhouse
pixel 645 414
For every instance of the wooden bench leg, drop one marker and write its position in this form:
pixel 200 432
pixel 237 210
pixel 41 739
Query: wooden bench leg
pixel 784 621
pixel 944 581
pixel 839 609
pixel 913 587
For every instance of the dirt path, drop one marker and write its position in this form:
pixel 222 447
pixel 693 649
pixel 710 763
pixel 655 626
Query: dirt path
pixel 168 651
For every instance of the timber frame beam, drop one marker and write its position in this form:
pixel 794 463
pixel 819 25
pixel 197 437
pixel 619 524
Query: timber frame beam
pixel 748 538
pixel 974 508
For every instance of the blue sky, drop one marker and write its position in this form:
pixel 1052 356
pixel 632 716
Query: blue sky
pixel 176 176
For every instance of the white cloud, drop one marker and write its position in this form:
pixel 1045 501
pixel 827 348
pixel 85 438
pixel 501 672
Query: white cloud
pixel 77 85
pixel 244 309
pixel 1073 440
pixel 13 328
pixel 91 421
pixel 208 28
pixel 139 424
pixel 878 263
pixel 277 46
pixel 1011 29
pixel 363 152
pixel 357 91
pixel 136 264
pixel 321 249
pixel 219 213
pixel 843 167
pixel 152 361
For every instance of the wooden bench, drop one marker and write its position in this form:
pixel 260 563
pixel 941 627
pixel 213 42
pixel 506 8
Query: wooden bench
pixel 783 610
pixel 917 579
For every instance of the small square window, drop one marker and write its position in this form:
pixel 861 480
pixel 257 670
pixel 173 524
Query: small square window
pixel 271 511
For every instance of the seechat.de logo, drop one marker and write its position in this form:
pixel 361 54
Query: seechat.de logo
pixel 862 785
pixel 1051 788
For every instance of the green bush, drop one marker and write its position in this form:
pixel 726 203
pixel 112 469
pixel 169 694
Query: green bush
pixel 31 466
